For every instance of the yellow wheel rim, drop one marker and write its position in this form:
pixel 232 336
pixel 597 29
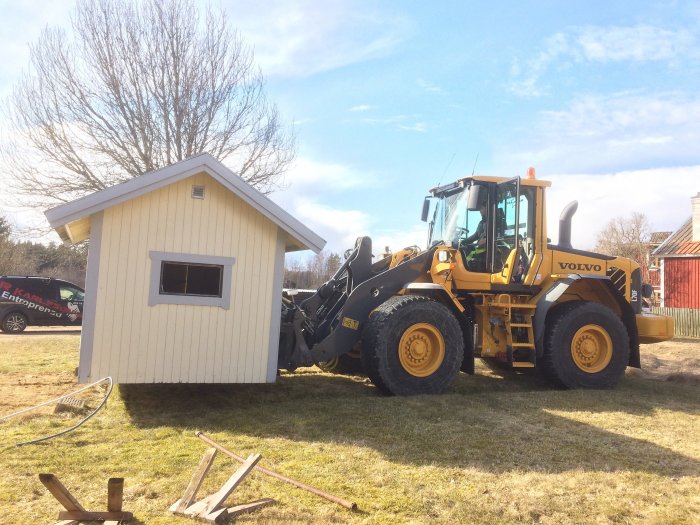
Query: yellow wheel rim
pixel 421 349
pixel 591 348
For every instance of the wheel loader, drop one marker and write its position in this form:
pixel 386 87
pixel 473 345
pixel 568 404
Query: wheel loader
pixel 490 285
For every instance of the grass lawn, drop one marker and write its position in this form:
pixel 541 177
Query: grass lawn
pixel 500 447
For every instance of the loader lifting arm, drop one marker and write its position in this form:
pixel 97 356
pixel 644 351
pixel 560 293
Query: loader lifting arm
pixel 330 322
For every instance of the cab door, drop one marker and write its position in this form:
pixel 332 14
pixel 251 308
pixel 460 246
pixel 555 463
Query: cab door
pixel 507 229
pixel 514 233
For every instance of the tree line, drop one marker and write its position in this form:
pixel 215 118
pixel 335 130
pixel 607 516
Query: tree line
pixel 52 260
pixel 312 273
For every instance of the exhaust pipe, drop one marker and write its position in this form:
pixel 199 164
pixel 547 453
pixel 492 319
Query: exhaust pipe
pixel 565 224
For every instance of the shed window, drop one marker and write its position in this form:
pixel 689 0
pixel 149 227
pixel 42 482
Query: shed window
pixel 191 279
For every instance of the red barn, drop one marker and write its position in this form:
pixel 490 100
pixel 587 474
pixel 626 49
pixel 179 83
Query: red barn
pixel 679 263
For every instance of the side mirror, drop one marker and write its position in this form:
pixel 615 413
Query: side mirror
pixel 426 209
pixel 473 201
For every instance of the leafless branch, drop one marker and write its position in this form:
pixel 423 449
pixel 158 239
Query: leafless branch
pixel 140 85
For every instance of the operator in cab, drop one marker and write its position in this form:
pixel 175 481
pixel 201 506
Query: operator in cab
pixel 476 259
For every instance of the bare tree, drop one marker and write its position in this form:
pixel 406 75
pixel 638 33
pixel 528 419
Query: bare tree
pixel 627 237
pixel 316 271
pixel 141 85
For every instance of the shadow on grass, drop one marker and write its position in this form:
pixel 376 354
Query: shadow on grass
pixel 494 422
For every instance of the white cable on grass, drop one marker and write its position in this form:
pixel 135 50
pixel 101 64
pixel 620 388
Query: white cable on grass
pixel 84 420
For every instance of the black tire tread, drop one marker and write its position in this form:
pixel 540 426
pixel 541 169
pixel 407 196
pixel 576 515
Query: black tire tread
pixel 551 364
pixel 374 336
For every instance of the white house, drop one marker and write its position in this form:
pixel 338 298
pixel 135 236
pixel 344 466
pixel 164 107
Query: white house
pixel 184 278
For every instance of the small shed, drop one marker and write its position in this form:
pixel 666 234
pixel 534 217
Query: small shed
pixel 184 277
pixel 679 263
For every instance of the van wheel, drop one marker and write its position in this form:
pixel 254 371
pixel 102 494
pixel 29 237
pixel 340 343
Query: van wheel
pixel 412 345
pixel 586 346
pixel 14 323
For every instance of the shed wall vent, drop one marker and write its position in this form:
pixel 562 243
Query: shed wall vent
pixel 197 192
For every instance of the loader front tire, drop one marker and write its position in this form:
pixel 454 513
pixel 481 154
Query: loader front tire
pixel 346 364
pixel 412 345
pixel 586 346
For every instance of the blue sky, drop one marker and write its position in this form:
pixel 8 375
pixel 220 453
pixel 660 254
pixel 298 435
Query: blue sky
pixel 390 98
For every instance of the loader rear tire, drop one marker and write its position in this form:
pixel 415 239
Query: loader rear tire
pixel 586 346
pixel 412 345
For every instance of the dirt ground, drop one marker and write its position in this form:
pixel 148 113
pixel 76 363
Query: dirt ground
pixel 676 360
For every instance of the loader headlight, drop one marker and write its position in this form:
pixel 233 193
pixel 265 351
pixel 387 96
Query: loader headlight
pixel 443 256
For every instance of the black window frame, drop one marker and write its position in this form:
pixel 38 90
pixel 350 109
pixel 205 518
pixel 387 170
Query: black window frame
pixel 188 266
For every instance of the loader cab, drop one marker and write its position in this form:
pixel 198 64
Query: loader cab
pixel 491 223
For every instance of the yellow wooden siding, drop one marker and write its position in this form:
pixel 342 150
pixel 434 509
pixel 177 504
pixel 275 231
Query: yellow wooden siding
pixel 137 343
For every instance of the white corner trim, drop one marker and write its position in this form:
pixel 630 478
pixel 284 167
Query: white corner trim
pixel 87 335
pixel 276 320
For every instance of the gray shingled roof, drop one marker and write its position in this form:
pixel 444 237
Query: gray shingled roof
pixel 680 243
pixel 658 237
pixel 60 216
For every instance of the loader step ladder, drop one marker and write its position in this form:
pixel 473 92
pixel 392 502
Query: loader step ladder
pixel 519 330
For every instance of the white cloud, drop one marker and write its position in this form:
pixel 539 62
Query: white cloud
pixel 360 108
pixel 316 195
pixel 606 133
pixel 397 239
pixel 428 86
pixel 402 122
pixel 594 44
pixel 307 174
pixel 339 227
pixel 420 127
pixel 662 194
pixel 310 185
pixel 641 43
pixel 526 78
pixel 303 38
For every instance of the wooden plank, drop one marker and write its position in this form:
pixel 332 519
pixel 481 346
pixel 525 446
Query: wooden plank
pixel 213 502
pixel 217 516
pixel 115 492
pixel 235 480
pixel 84 515
pixel 70 522
pixel 197 478
pixel 249 507
pixel 60 492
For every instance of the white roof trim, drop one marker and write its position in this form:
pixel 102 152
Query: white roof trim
pixel 60 216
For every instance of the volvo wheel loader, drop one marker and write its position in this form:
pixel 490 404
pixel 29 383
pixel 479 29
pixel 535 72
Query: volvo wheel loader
pixel 489 285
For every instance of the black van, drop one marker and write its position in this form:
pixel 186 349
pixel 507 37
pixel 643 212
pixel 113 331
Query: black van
pixel 42 301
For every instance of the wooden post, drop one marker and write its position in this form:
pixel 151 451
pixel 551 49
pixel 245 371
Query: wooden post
pixel 196 482
pixel 115 491
pixel 210 509
pixel 75 512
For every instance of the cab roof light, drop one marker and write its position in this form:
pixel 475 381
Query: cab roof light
pixel 531 173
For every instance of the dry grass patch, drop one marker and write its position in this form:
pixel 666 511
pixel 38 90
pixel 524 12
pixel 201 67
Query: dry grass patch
pixel 500 447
